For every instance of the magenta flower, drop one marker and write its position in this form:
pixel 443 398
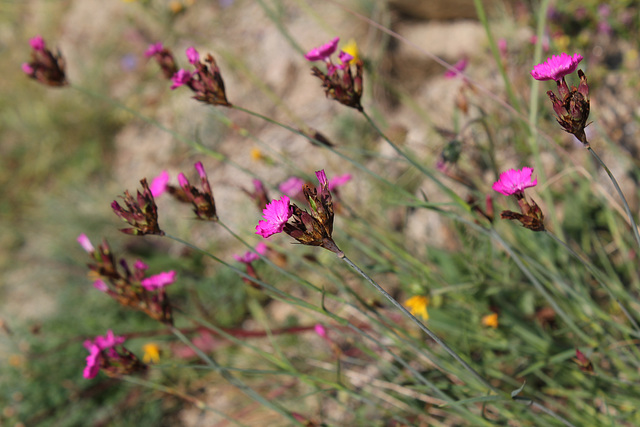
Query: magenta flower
pixel 556 67
pixel 459 67
pixel 108 341
pixel 323 52
pixel 85 243
pixel 193 56
pixel 515 181
pixel 182 77
pixel 250 256
pixel 339 180
pixel 276 214
pixel 93 362
pixel 320 330
pixel 159 281
pixel 100 285
pixel 37 43
pixel 159 184
pixel 27 68
pixel 292 186
pixel 139 265
pixel 154 49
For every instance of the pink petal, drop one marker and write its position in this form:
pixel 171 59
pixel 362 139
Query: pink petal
pixel 85 243
pixel 159 184
pixel 323 52
pixel 158 281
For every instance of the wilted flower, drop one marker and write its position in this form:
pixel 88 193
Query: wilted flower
pixel 109 354
pixel 417 305
pixel 513 183
pixel 584 363
pixel 203 202
pixel 164 58
pixel 45 67
pixel 141 212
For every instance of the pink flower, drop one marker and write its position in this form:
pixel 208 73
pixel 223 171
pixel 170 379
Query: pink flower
pixel 200 169
pixel 323 52
pixel 37 43
pixel 515 181
pixel 458 68
pixel 322 178
pixel 182 77
pixel 193 56
pixel 100 285
pixel 93 362
pixel 159 184
pixel 85 243
pixel 292 186
pixel 158 281
pixel 153 49
pixel 139 265
pixel 556 67
pixel 276 214
pixel 249 256
pixel 320 330
pixel 108 341
pixel 339 180
pixel 27 68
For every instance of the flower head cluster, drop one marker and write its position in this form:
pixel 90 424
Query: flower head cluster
pixel 312 228
pixel 141 212
pixel 164 58
pixel 571 105
pixel 45 67
pixel 513 183
pixel 206 81
pixel 130 287
pixel 339 82
pixel 108 353
pixel 202 200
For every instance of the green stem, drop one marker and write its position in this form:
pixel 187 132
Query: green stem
pixel 415 320
pixel 632 222
pixel 233 380
pixel 597 275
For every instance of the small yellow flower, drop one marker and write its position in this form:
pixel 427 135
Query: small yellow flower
pixel 175 6
pixel 256 154
pixel 417 305
pixel 490 320
pixel 352 49
pixel 151 353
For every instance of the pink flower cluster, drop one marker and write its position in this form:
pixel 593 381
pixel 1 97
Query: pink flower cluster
pixel 96 347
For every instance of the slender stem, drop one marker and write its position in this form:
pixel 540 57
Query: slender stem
pixel 415 320
pixel 528 401
pixel 632 222
pixel 596 274
pixel 231 379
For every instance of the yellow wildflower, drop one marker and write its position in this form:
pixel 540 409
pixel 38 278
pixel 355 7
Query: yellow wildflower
pixel 256 154
pixel 490 320
pixel 151 353
pixel 417 305
pixel 175 6
pixel 352 49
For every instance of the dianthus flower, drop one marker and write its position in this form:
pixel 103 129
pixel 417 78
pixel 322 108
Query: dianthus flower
pixel 202 200
pixel 159 184
pixel 556 67
pixel 513 183
pixel 458 68
pixel 292 187
pixel 206 82
pixel 181 78
pixel 276 214
pixel 45 67
pixel 164 58
pixel 259 194
pixel 109 354
pixel 141 212
pixel 571 105
pixel 342 87
pixel 131 288
pixel 312 228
